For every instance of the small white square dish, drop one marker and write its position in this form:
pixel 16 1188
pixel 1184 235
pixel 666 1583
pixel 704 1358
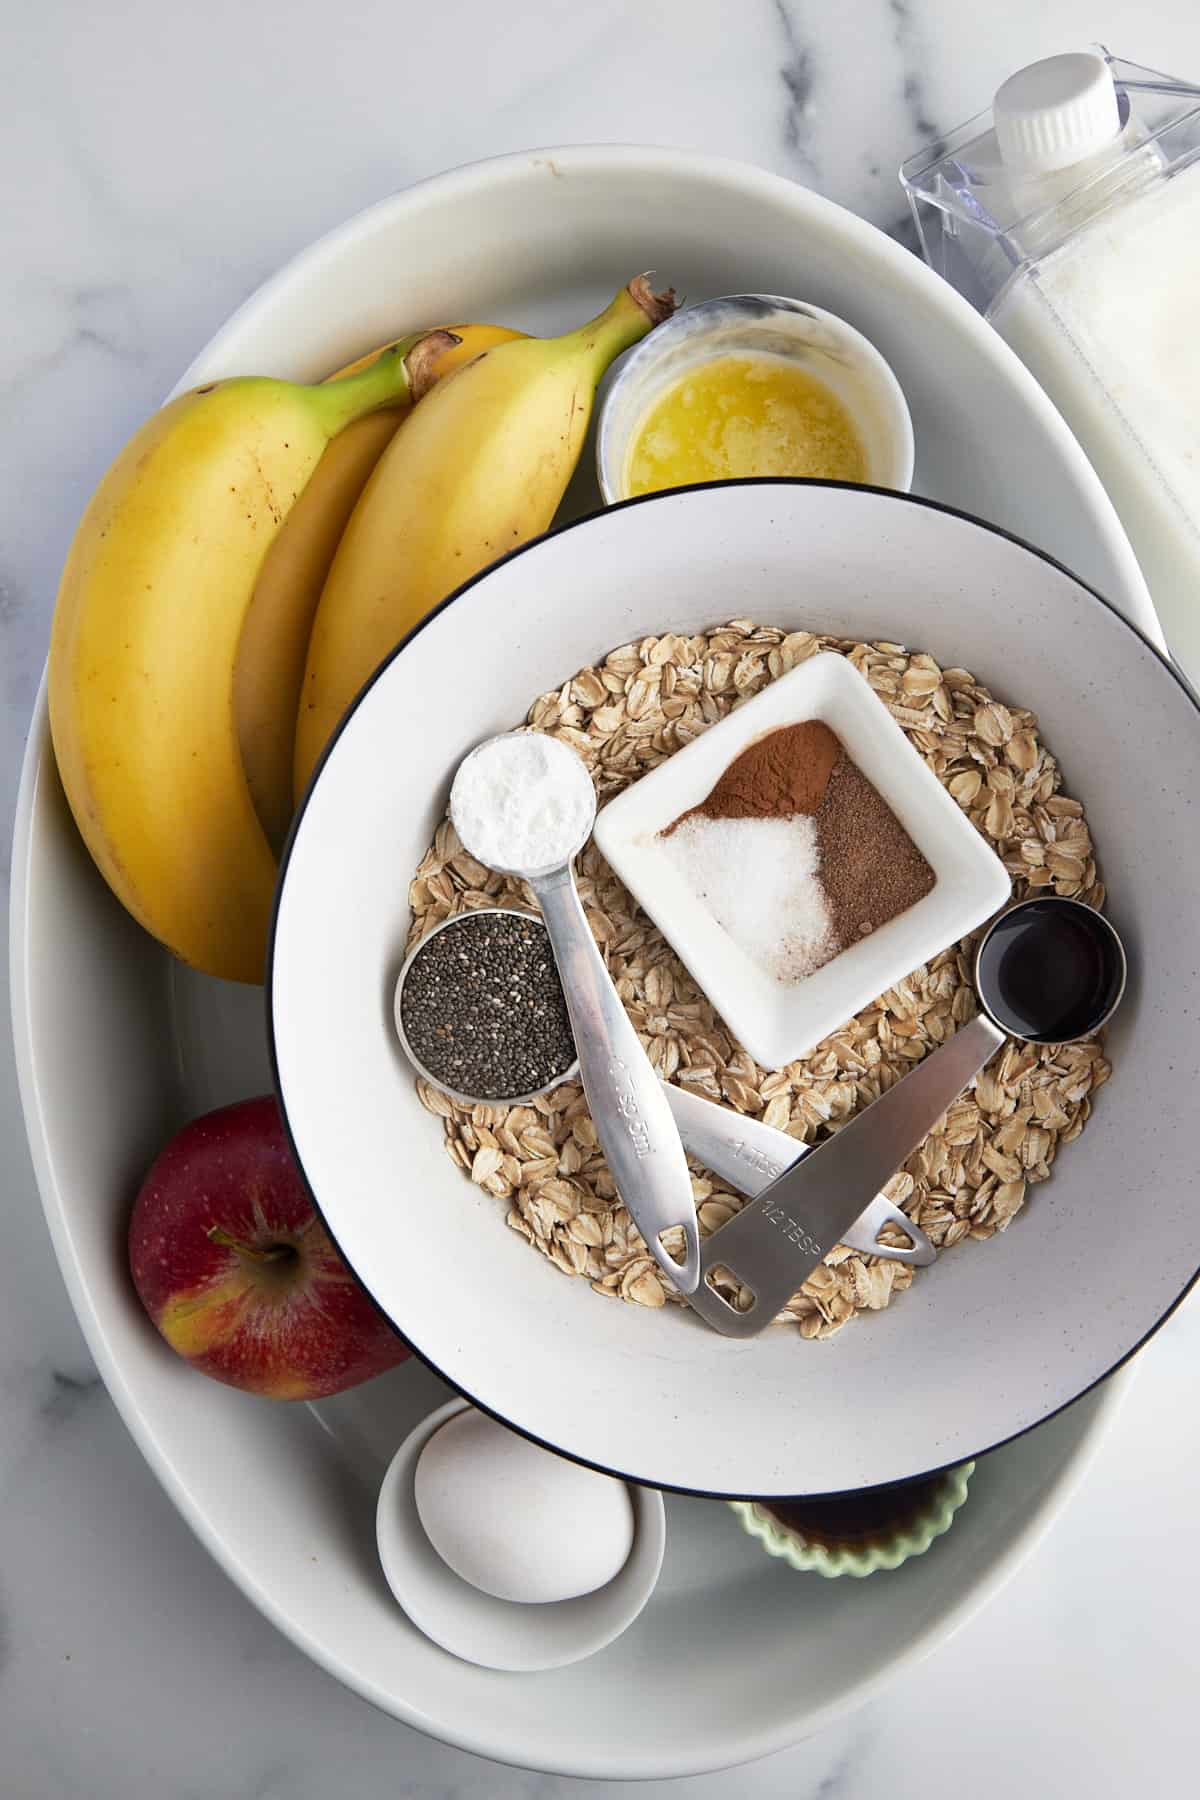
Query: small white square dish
pixel 775 1020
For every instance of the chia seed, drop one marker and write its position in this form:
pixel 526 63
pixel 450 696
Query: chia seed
pixel 483 1009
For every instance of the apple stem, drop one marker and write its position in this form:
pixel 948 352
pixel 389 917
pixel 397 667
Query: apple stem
pixel 275 1253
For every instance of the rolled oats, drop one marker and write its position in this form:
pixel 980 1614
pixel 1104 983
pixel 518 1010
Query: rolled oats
pixel 970 1177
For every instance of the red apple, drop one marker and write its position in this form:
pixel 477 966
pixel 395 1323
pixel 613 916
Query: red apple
pixel 239 1274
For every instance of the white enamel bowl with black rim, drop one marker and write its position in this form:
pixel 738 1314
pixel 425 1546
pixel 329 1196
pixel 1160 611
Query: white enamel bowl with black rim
pixel 117 1045
pixel 997 1336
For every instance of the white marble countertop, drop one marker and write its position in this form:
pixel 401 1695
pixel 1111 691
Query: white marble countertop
pixel 161 161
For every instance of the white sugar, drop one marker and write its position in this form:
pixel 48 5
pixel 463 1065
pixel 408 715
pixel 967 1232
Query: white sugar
pixel 523 802
pixel 760 880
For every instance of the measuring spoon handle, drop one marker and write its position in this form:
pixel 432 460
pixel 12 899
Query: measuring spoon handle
pixel 628 1105
pixel 750 1156
pixel 776 1242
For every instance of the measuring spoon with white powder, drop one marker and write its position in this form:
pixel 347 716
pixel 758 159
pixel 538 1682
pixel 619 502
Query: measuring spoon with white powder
pixel 523 804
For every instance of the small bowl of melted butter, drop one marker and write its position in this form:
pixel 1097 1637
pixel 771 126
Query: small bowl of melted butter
pixel 752 385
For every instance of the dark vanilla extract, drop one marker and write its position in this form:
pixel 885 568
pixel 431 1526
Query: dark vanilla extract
pixel 1049 972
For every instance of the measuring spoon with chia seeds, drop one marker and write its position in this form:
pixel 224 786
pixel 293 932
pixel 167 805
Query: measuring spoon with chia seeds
pixel 625 1097
pixel 564 1068
pixel 1049 970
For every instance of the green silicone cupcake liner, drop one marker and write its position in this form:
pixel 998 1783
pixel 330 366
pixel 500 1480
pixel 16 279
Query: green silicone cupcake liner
pixel 935 1519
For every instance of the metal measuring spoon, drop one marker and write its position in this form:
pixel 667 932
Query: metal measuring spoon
pixel 1049 971
pixel 750 1156
pixel 625 1097
pixel 741 1151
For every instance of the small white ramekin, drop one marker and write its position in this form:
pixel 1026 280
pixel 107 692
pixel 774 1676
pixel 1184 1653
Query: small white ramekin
pixel 777 1023
pixel 832 351
pixel 506 1634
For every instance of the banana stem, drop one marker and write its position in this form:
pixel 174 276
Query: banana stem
pixel 656 307
pixel 636 310
pixel 405 371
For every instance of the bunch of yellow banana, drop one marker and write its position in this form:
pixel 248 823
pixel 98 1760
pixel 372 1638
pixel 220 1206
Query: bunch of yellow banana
pixel 269 671
pixel 479 468
pixel 252 554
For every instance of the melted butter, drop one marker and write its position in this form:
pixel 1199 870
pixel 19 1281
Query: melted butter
pixel 736 416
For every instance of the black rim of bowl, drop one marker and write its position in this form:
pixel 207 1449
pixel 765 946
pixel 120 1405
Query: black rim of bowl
pixel 585 519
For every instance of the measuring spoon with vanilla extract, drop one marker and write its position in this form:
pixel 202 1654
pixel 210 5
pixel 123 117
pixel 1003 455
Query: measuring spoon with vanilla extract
pixel 1049 970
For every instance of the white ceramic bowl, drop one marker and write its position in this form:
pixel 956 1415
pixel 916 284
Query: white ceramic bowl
pixel 1028 1320
pixel 505 1634
pixel 816 340
pixel 775 1022
pixel 116 1045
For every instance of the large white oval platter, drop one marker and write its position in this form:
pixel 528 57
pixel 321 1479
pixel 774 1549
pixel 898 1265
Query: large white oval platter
pixel 116 1045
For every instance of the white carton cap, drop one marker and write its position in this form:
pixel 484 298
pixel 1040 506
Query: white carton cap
pixel 1056 112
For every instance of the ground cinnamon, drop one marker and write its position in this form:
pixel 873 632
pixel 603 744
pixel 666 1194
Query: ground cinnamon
pixel 862 868
pixel 775 777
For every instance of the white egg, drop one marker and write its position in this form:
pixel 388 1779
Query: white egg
pixel 516 1521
